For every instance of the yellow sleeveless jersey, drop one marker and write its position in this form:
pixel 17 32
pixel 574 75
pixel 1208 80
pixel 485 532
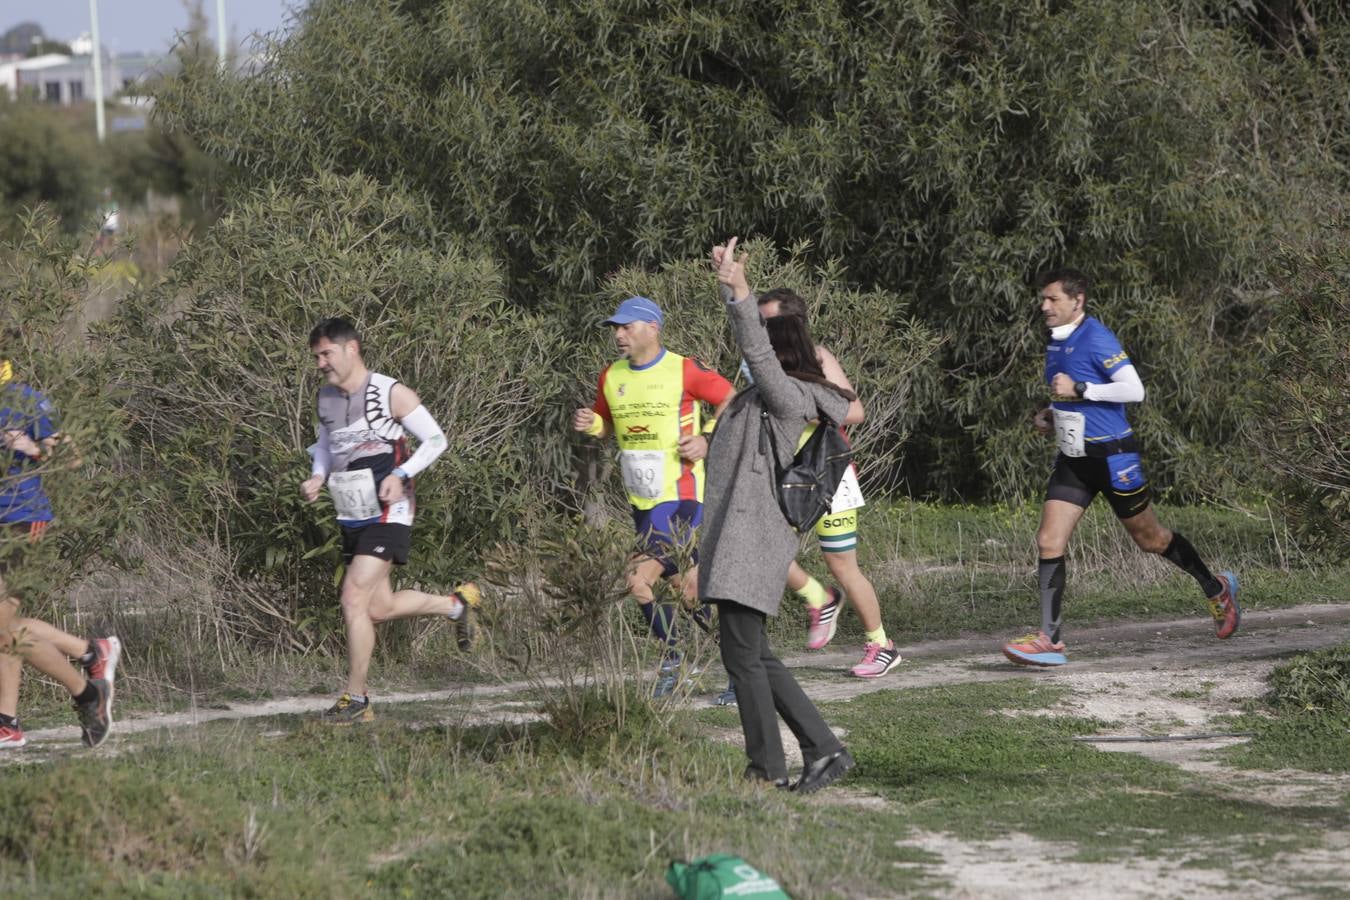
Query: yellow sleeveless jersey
pixel 650 407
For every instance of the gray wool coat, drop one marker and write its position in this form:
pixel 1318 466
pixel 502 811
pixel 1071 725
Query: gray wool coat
pixel 745 544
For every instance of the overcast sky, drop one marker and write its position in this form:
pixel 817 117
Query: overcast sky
pixel 128 26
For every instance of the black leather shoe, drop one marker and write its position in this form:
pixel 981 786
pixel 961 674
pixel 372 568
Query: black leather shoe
pixel 823 771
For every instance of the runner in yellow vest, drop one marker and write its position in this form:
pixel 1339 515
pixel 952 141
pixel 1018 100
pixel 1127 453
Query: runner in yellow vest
pixel 649 401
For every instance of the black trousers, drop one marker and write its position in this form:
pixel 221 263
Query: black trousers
pixel 765 689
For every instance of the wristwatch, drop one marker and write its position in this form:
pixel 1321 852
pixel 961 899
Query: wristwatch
pixel 1080 388
pixel 403 476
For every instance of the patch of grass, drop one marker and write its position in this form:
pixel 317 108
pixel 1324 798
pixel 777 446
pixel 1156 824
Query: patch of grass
pixel 1317 682
pixel 1313 743
pixel 955 764
pixel 426 810
pixel 1304 722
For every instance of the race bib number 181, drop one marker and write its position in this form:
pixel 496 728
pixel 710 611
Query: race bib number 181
pixel 1069 432
pixel 354 495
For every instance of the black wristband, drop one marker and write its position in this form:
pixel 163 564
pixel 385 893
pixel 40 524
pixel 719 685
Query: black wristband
pixel 1080 388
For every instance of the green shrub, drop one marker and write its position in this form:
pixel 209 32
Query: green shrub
pixel 46 281
pixel 219 381
pixel 1302 434
pixel 47 156
pixel 1314 682
pixel 943 151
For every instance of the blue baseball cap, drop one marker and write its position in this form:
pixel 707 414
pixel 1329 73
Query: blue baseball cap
pixel 637 309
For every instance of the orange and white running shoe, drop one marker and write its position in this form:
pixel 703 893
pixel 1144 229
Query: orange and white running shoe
pixel 1035 649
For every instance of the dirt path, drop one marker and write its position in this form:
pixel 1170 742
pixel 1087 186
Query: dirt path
pixel 1130 674
pixel 1182 650
pixel 1126 673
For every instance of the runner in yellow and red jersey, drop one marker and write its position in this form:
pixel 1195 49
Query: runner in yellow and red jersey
pixel 649 401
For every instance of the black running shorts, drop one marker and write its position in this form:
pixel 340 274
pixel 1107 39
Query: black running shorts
pixel 20 573
pixel 381 540
pixel 1077 480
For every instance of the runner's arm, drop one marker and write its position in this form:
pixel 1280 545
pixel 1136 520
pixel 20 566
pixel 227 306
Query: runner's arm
pixel 835 373
pixel 321 455
pixel 1125 387
pixel 597 421
pixel 418 422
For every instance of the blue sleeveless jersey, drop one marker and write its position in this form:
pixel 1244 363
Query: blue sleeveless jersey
pixel 21 496
pixel 1092 353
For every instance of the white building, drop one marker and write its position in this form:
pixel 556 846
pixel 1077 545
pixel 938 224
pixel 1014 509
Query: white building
pixel 67 80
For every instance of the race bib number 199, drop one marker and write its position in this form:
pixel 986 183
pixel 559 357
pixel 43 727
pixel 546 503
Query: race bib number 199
pixel 643 471
pixel 1069 432
pixel 354 495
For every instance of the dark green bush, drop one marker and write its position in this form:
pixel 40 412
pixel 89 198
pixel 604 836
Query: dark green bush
pixel 942 151
pixel 47 156
pixel 220 383
pixel 1302 434
pixel 46 282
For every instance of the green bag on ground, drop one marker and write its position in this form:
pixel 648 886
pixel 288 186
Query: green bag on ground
pixel 721 875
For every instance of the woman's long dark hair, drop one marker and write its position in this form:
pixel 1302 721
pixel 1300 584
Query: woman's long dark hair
pixel 791 340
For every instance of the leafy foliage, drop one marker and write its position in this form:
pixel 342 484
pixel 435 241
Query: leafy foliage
pixel 46 282
pixel 45 157
pixel 1303 433
pixel 215 374
pixel 942 150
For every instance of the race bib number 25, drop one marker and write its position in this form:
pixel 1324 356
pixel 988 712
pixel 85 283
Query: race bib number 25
pixel 354 495
pixel 1069 432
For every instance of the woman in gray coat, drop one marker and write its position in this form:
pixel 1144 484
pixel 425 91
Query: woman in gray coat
pixel 745 543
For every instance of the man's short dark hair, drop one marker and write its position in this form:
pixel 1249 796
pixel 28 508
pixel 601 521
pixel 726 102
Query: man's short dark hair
pixel 790 303
pixel 337 329
pixel 1072 281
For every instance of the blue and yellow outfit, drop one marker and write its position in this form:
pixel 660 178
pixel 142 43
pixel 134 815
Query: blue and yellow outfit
pixel 1098 449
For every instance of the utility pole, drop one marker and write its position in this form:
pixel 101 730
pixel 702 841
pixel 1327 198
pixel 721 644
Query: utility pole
pixel 220 34
pixel 99 124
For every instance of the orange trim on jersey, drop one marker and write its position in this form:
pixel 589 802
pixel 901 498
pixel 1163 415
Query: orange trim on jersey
pixel 686 487
pixel 601 406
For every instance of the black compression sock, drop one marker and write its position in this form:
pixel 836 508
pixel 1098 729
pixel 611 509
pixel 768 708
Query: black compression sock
pixel 1051 576
pixel 88 695
pixel 1183 555
pixel 9 721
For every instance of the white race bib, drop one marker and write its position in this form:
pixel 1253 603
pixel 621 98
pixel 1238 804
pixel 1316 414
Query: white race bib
pixel 1069 432
pixel 849 493
pixel 643 472
pixel 354 495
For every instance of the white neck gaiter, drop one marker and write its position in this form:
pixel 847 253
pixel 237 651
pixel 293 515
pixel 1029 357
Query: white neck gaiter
pixel 1060 332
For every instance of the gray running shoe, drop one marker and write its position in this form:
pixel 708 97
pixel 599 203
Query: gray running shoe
pixel 96 715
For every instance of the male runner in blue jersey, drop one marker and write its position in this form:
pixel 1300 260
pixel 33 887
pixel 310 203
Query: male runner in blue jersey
pixel 29 437
pixel 1091 379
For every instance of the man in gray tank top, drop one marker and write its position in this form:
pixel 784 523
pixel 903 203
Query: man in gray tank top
pixel 362 456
